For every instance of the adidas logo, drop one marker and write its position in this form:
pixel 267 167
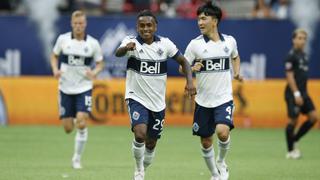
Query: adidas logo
pixel 205 51
pixel 141 51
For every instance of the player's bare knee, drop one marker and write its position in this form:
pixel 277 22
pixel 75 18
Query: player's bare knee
pixel 151 144
pixel 223 136
pixel 68 129
pixel 81 124
pixel 292 121
pixel 140 136
pixel 206 142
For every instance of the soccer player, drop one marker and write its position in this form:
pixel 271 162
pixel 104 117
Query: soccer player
pixel 296 93
pixel 211 55
pixel 75 51
pixel 146 85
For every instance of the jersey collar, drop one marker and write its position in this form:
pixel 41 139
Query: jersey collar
pixel 85 36
pixel 206 38
pixel 140 40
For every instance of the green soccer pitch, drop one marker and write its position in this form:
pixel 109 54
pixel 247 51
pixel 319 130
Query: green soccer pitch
pixel 44 153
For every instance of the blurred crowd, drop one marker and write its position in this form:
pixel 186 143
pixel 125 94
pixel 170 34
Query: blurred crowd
pixel 278 9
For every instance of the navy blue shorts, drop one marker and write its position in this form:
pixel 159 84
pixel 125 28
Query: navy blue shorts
pixel 70 104
pixel 206 119
pixel 141 115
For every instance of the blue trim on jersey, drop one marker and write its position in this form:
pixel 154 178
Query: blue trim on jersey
pixel 75 60
pixel 141 41
pixel 85 36
pixel 207 39
pixel 176 55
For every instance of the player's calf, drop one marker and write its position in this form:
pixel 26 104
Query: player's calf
pixel 68 125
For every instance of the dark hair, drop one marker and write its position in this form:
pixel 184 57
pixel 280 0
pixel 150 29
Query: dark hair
pixel 210 10
pixel 147 12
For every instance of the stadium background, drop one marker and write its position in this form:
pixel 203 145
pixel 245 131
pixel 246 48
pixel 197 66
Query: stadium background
pixel 28 92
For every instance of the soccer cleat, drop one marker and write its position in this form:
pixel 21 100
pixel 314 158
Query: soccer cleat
pixel 295 154
pixel 214 178
pixel 223 170
pixel 296 150
pixel 76 164
pixel 138 175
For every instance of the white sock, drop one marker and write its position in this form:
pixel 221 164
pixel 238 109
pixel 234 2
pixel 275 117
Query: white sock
pixel 80 141
pixel 148 157
pixel 208 155
pixel 138 153
pixel 223 149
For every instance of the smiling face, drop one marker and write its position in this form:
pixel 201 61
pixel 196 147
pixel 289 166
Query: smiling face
pixel 207 24
pixel 146 27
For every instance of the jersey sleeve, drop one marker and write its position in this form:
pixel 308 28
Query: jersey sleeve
pixel 172 49
pixel 234 52
pixel 125 41
pixel 58 46
pixel 289 62
pixel 189 54
pixel 97 56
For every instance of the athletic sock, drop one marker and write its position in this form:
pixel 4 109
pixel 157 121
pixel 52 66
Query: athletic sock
pixel 80 141
pixel 305 127
pixel 290 136
pixel 138 150
pixel 223 149
pixel 148 157
pixel 208 155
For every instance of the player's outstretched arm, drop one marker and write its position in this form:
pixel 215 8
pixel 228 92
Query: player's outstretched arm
pixel 54 66
pixel 121 51
pixel 236 69
pixel 185 66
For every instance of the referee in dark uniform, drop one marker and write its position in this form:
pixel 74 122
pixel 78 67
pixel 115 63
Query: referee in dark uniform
pixel 296 93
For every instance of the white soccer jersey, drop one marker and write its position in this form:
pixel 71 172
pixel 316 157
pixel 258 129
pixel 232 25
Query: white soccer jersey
pixel 147 71
pixel 76 57
pixel 214 80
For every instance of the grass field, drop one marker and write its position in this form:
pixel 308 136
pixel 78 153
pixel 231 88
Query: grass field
pixel 44 153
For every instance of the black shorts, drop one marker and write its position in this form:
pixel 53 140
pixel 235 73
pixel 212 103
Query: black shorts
pixel 206 119
pixel 294 110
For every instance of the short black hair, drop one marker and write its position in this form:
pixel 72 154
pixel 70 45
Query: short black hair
pixel 147 12
pixel 210 10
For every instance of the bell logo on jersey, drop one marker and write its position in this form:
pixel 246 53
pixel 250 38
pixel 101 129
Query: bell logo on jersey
pixel 150 69
pixel 216 64
pixel 147 67
pixel 76 60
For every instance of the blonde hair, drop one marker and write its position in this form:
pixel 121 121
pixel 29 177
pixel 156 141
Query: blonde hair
pixel 297 31
pixel 78 13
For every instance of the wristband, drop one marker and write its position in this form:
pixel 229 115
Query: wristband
pixel 296 94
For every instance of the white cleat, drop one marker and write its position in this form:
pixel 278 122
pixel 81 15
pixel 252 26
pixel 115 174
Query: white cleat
pixel 214 178
pixel 295 154
pixel 76 164
pixel 138 175
pixel 223 170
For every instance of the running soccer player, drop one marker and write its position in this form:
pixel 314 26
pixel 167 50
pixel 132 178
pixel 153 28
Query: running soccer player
pixel 211 55
pixel 146 85
pixel 296 93
pixel 75 51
